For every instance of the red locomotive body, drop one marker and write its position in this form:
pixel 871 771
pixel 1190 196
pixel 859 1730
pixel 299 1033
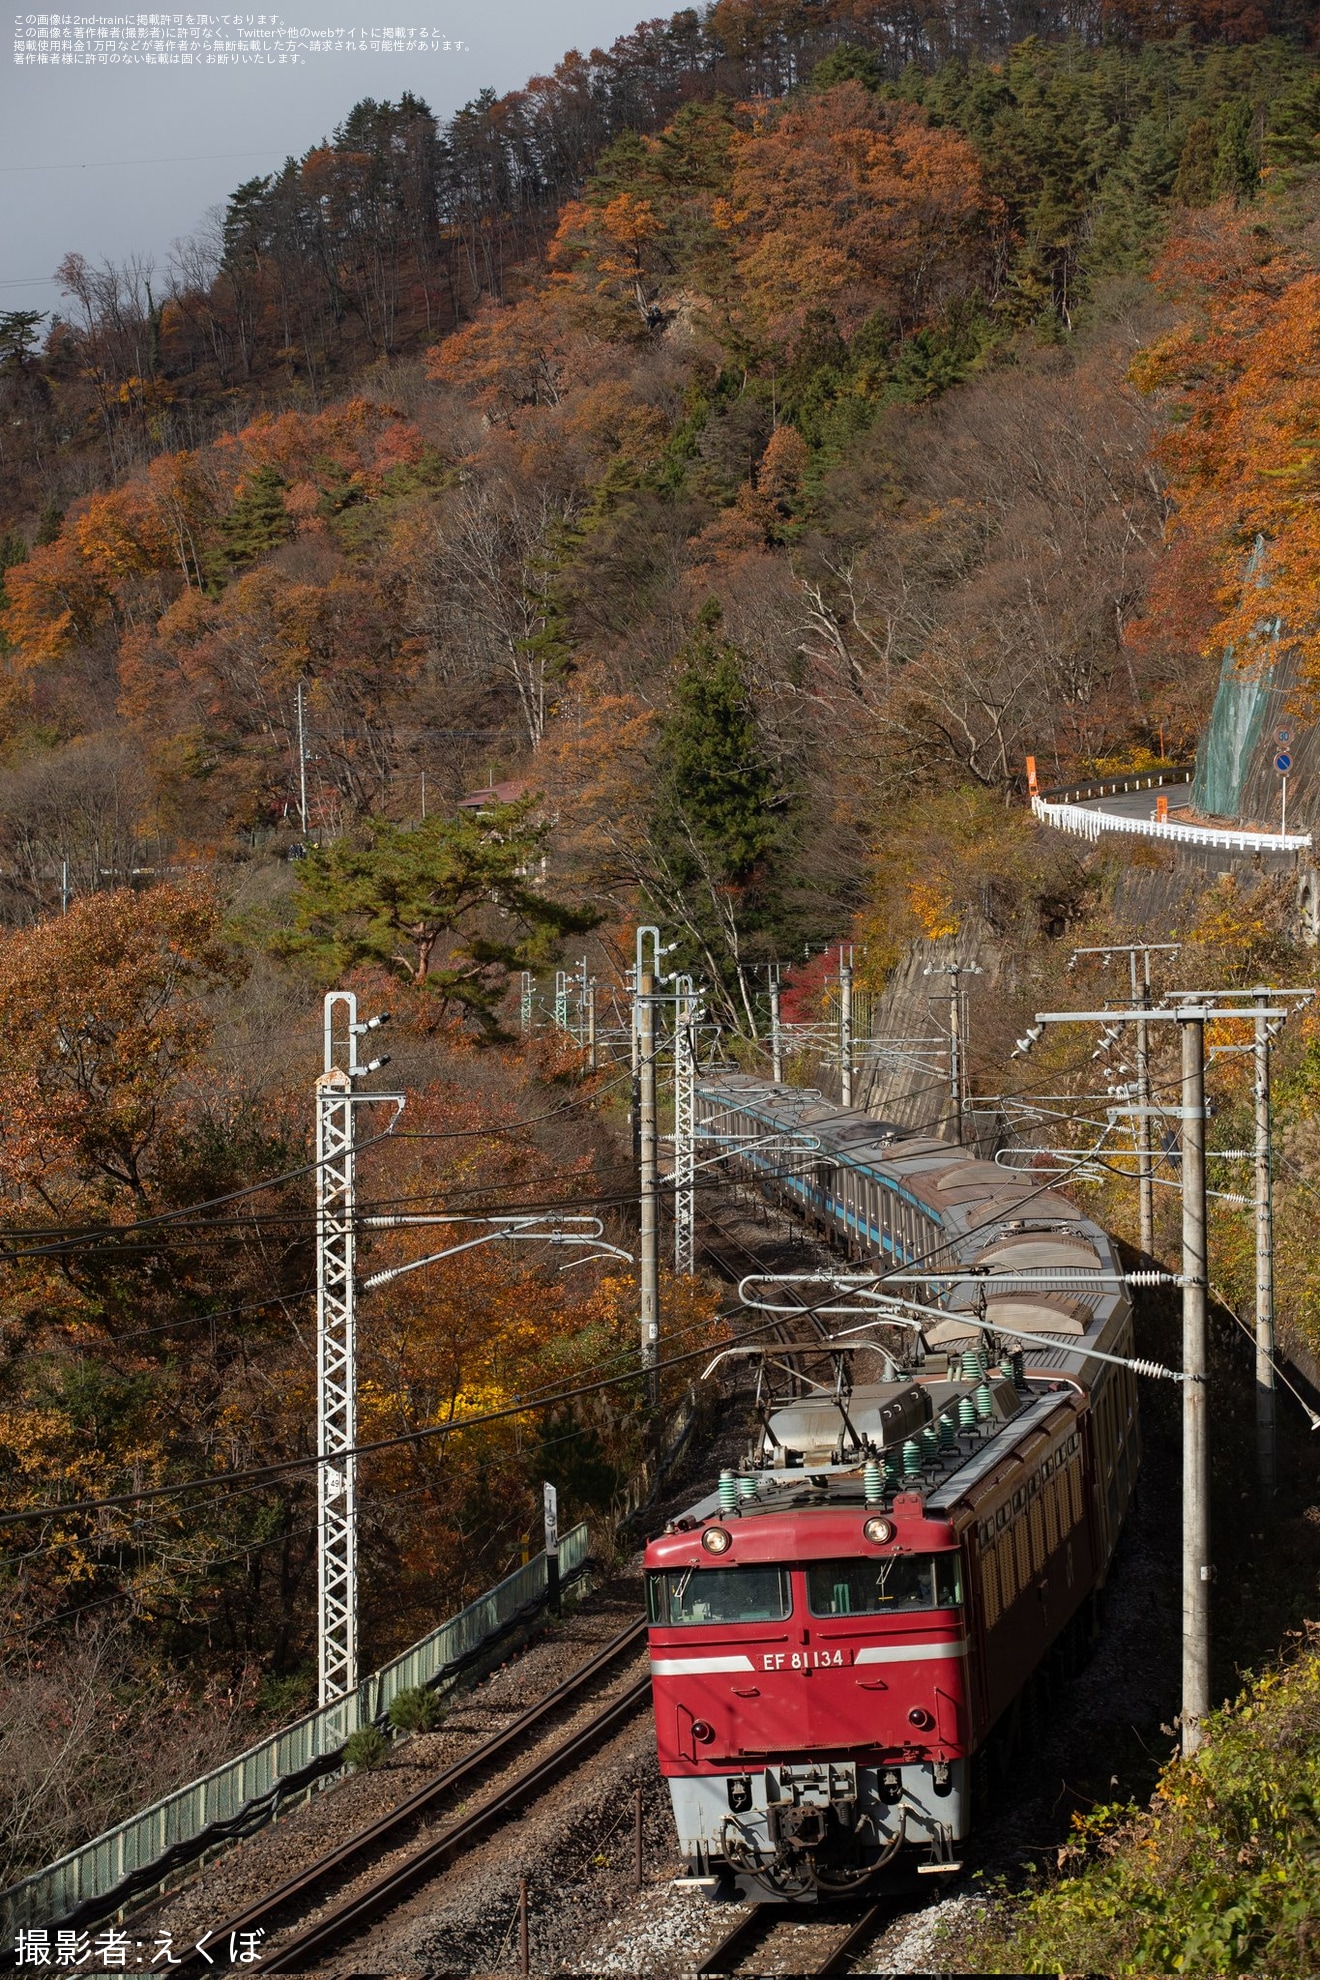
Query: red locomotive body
pixel 839 1630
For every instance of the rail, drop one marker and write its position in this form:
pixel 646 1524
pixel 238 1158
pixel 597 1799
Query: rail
pixel 1087 824
pixel 383 1835
pixel 749 1934
pixel 92 1882
pixel 333 1923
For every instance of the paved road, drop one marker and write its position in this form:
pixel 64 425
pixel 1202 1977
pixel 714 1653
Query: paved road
pixel 1141 804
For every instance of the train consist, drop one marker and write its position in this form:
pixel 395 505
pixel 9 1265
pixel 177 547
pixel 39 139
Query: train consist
pixel 844 1631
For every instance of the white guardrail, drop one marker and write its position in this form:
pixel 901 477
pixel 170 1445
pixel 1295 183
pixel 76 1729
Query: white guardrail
pixel 1087 823
pixel 90 1883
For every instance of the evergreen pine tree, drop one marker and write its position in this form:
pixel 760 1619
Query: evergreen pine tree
pixel 848 64
pixel 258 520
pixel 18 337
pixel 720 827
pixel 49 524
pixel 452 905
pixel 719 788
pixel 1292 141
pixel 1129 210
pixel 1236 172
pixel 1194 181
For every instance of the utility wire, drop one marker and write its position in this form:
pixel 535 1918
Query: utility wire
pixel 78 1236
pixel 521 1407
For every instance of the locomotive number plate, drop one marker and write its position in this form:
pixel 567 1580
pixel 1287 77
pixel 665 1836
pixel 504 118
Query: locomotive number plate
pixel 805 1660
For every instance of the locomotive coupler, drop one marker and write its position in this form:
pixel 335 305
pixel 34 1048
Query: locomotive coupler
pixel 805 1802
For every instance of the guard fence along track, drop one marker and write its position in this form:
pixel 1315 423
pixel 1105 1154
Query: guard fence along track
pixel 343 1920
pixel 755 1934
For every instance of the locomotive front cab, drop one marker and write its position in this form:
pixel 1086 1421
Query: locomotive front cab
pixel 810 1695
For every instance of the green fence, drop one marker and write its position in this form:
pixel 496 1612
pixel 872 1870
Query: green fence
pixel 92 1883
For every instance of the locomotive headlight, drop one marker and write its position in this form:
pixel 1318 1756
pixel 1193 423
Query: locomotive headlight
pixel 717 1540
pixel 879 1531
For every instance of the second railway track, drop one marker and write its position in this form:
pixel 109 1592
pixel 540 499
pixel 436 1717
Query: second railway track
pixel 443 1840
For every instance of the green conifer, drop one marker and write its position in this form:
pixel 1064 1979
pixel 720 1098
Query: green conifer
pixel 1236 172
pixel 1292 142
pixel 258 520
pixel 848 63
pixel 49 524
pixel 719 789
pixel 1194 181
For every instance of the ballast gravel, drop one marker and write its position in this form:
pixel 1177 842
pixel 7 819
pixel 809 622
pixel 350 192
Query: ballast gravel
pixel 254 1868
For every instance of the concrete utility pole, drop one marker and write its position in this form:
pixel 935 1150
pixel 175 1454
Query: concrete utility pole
pixel 591 1023
pixel 1191 1018
pixel 648 1165
pixel 955 973
pixel 631 985
pixel 1196 1569
pixel 1145 1167
pixel 1266 1399
pixel 1269 1009
pixel 1141 1001
pixel 845 1028
pixel 302 763
pixel 776 1033
pixel 1192 1010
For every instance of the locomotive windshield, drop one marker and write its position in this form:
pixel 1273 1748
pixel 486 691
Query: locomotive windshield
pixel 719 1595
pixel 879 1588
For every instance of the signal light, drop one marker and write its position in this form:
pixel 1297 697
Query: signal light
pixel 921 1719
pixel 879 1531
pixel 717 1540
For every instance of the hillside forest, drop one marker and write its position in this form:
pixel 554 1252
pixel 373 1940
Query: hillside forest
pixel 742 448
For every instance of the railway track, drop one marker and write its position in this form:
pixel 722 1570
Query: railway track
pixel 438 1847
pixel 763 1935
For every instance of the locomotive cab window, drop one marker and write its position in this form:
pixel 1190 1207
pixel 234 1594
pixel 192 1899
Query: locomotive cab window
pixel 718 1595
pixel 880 1588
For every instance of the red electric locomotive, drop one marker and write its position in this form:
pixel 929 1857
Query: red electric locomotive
pixel 838 1631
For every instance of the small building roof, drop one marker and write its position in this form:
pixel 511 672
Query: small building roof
pixel 506 793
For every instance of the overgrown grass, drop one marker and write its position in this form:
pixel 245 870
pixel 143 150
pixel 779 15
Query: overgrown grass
pixel 1219 1874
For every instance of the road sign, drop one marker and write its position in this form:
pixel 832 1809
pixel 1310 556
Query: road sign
pixel 1283 736
pixel 1283 763
pixel 551 1519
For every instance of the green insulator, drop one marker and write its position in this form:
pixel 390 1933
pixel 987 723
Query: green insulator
pixel 873 1482
pixel 746 1487
pixel 973 1364
pixel 891 1469
pixel 728 1492
pixel 930 1440
pixel 1017 1368
pixel 966 1413
pixel 947 1432
pixel 911 1459
pixel 984 1401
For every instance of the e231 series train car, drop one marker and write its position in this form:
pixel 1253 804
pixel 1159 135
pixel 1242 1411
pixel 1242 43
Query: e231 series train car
pixel 843 1630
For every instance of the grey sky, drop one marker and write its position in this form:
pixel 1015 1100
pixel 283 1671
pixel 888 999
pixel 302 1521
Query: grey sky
pixel 66 133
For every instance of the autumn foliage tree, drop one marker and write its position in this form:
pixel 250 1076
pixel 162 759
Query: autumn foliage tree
pixel 842 200
pixel 1239 376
